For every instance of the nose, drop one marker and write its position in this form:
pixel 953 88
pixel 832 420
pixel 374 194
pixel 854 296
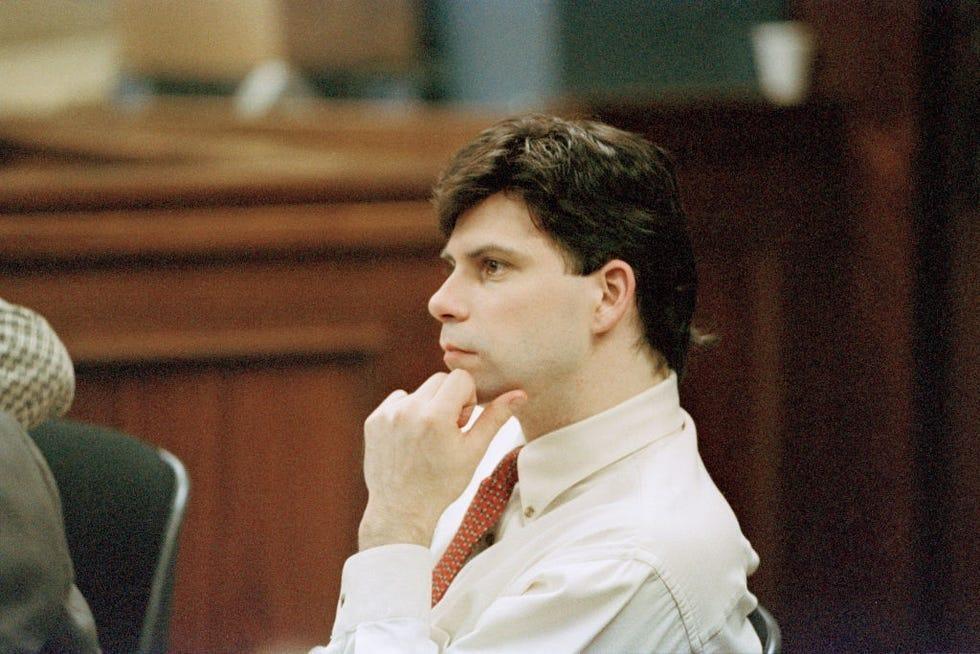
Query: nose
pixel 446 304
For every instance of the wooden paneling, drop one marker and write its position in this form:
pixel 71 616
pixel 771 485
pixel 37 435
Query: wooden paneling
pixel 948 280
pixel 273 455
pixel 292 230
pixel 736 393
pixel 181 154
pixel 959 568
pixel 252 342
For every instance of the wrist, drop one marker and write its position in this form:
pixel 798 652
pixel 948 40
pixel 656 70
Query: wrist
pixel 384 528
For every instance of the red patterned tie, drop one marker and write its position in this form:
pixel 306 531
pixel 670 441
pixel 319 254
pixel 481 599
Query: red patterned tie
pixel 484 512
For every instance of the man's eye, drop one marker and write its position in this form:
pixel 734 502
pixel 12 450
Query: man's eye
pixel 492 267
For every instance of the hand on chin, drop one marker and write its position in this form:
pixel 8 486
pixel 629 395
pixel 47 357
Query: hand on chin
pixel 415 447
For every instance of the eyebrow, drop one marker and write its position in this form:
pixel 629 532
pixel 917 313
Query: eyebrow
pixel 482 251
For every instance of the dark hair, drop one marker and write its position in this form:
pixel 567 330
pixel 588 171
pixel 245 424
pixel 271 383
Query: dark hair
pixel 601 193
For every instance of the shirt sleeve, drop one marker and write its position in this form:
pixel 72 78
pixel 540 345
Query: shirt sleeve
pixel 384 605
pixel 37 379
pixel 608 605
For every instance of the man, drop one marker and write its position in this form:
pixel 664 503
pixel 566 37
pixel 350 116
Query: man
pixel 568 301
pixel 41 609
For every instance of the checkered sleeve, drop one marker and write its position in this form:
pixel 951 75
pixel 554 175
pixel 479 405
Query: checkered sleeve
pixel 37 379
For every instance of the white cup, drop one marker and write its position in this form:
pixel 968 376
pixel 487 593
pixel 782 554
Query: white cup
pixel 783 60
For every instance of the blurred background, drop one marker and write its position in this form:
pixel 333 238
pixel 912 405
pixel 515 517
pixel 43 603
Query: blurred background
pixel 504 54
pixel 222 209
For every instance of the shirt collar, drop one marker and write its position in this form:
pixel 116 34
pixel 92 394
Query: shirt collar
pixel 554 462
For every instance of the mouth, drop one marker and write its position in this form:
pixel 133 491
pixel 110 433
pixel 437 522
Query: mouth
pixel 455 357
pixel 448 347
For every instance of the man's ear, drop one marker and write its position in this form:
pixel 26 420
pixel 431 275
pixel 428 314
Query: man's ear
pixel 617 284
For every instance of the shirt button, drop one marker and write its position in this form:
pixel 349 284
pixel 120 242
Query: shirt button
pixel 529 512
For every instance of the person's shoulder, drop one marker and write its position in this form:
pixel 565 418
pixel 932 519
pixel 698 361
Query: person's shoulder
pixel 38 599
pixel 25 478
pixel 680 517
pixel 35 570
pixel 693 540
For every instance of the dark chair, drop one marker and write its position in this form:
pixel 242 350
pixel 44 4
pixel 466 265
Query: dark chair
pixel 123 504
pixel 768 630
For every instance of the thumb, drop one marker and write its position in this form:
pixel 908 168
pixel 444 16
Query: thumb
pixel 495 415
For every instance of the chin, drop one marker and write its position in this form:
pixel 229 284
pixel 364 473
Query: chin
pixel 486 392
pixel 488 386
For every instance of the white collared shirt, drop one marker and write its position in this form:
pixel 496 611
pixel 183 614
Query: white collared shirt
pixel 615 540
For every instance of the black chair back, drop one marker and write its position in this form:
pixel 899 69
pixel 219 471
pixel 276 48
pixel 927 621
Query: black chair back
pixel 123 504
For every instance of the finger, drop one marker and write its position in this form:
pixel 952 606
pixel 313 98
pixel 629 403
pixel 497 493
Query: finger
pixel 494 416
pixel 429 387
pixel 393 397
pixel 457 392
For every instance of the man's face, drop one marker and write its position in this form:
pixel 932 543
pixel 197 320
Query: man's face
pixel 511 315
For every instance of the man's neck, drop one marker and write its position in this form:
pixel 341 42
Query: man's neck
pixel 591 392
